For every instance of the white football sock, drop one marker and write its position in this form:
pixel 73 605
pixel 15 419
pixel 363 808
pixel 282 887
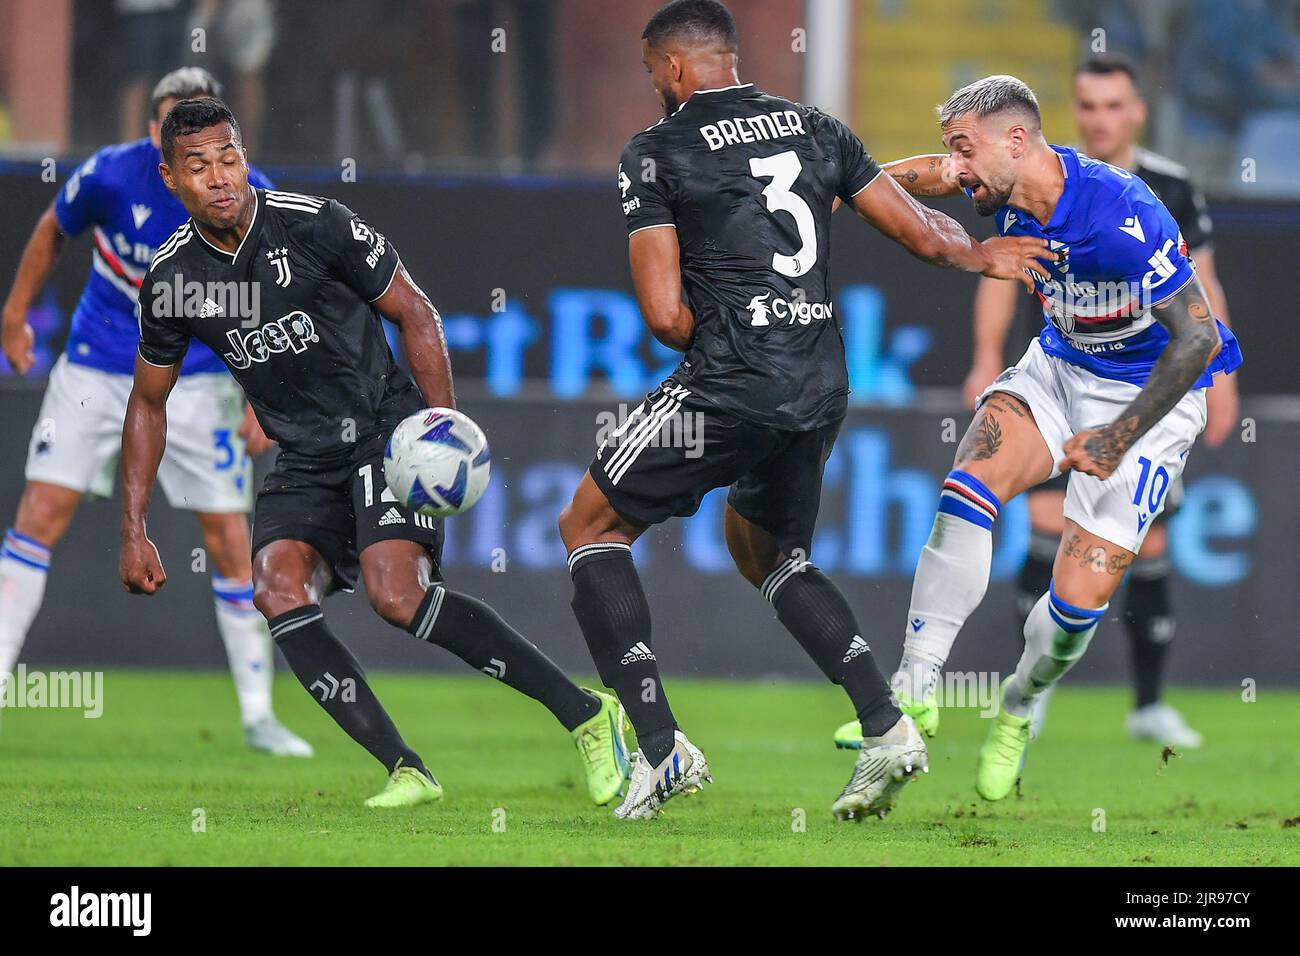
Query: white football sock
pixel 952 575
pixel 1056 635
pixel 248 646
pixel 24 566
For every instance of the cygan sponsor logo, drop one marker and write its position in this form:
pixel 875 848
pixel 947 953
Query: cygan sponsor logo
pixel 762 311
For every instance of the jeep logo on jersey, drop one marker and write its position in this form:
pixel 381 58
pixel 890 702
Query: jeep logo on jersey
pixel 294 331
pixel 761 312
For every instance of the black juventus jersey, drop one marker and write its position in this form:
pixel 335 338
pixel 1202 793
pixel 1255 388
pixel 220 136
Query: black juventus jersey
pixel 748 179
pixel 1173 187
pixel 289 312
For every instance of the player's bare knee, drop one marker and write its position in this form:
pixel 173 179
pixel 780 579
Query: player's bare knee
pixel 1088 570
pixel 226 538
pixel 282 580
pixel 395 600
pixel 44 512
pixel 277 591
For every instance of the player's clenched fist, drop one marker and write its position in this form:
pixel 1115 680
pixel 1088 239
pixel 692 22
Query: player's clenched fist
pixel 1097 451
pixel 140 568
pixel 1011 256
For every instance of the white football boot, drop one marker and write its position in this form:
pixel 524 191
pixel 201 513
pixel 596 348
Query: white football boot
pixel 270 735
pixel 884 765
pixel 684 770
pixel 1163 724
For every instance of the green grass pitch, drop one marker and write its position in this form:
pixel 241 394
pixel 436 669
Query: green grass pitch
pixel 124 789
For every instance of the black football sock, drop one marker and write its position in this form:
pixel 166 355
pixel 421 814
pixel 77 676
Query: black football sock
pixel 615 619
pixel 479 636
pixel 333 676
pixel 1150 622
pixel 815 612
pixel 1035 575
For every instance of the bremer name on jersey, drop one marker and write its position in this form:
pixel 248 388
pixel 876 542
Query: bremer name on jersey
pixel 1120 254
pixel 289 313
pixel 119 193
pixel 749 180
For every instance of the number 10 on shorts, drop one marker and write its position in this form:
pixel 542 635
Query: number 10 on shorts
pixel 1159 485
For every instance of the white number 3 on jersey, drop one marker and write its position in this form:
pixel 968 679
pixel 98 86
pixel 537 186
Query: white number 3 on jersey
pixel 783 169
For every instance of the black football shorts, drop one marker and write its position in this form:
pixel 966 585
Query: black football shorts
pixel 674 449
pixel 339 510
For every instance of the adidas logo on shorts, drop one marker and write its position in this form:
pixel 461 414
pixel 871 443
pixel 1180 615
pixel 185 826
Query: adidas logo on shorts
pixel 392 516
pixel 857 647
pixel 638 652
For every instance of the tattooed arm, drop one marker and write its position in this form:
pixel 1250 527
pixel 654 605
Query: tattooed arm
pixel 941 241
pixel 923 175
pixel 1193 343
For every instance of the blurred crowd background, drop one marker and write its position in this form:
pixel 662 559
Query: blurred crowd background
pixel 406 84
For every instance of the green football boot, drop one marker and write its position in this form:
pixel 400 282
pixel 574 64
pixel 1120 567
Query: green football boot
pixel 1002 757
pixel 406 787
pixel 603 750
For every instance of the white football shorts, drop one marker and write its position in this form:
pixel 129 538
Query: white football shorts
pixel 78 437
pixel 1065 399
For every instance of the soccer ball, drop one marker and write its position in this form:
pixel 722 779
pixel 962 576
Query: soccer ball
pixel 437 462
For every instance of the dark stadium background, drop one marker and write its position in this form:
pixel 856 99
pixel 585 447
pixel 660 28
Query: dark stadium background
pixel 535 215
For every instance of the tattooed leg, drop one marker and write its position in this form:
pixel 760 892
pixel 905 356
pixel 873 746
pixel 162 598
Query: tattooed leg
pixel 1001 455
pixel 1003 447
pixel 1088 569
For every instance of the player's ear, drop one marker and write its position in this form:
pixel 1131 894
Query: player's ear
pixel 1018 141
pixel 675 67
pixel 166 173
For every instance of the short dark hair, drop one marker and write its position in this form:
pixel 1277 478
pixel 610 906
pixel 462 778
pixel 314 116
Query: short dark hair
pixel 1108 65
pixel 697 21
pixel 194 116
pixel 187 83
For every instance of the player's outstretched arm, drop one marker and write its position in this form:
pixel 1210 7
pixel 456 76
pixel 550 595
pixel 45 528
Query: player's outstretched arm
pixel 1193 344
pixel 657 276
pixel 34 270
pixel 406 306
pixel 144 436
pixel 928 175
pixel 941 241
